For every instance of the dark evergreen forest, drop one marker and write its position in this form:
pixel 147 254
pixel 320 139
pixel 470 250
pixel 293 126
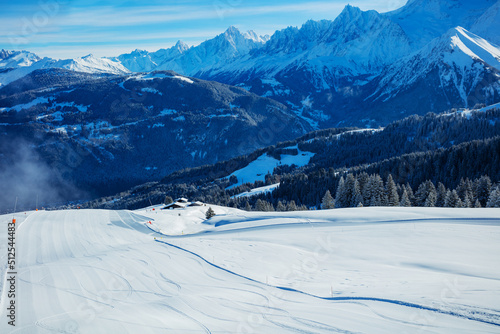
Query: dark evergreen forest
pixel 450 159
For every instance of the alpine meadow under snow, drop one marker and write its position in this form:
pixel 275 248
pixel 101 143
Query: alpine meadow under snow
pixel 342 176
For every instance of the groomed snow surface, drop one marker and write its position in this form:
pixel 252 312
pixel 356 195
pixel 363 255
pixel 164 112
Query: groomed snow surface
pixel 361 270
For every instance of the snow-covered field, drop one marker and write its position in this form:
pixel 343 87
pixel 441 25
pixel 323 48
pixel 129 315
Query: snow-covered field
pixel 257 169
pixel 363 270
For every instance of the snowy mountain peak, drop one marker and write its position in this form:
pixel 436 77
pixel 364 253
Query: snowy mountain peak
pixel 91 64
pixel 350 11
pixel 457 63
pixel 475 47
pixel 89 57
pixel 488 24
pixel 354 15
pixel 232 31
pixel 15 59
pixel 229 44
pixel 5 54
pixel 181 46
pixel 423 20
pixel 252 35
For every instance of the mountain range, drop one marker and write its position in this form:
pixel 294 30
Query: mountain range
pixel 326 71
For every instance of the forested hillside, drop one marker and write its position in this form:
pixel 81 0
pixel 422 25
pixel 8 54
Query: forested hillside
pixel 447 150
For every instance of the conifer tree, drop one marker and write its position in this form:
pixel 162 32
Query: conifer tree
pixel 430 201
pixel 483 189
pixel 494 199
pixel 291 206
pixel 351 195
pixel 392 192
pixel 210 213
pixel 411 196
pixel 327 202
pixel 441 195
pixel 339 196
pixel 362 181
pixel 467 203
pixel 167 200
pixel 280 206
pixel 405 201
pixel 260 205
pixel 375 192
pixel 425 190
pixel 452 199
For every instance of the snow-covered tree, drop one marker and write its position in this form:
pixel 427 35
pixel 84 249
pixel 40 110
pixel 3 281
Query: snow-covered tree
pixel 210 213
pixel 464 189
pixel 280 206
pixel 411 196
pixel 441 194
pixel 291 206
pixel 425 190
pixel 352 195
pixel 452 199
pixel 392 192
pixel 467 202
pixel 348 194
pixel 375 192
pixel 494 199
pixel 339 196
pixel 260 205
pixel 328 201
pixel 483 189
pixel 405 201
pixel 168 200
pixel 430 201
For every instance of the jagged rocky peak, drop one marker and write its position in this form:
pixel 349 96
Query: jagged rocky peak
pixel 252 35
pixel 181 46
pixel 462 43
pixel 5 53
pixel 12 58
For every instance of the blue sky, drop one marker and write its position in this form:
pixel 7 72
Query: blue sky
pixel 67 29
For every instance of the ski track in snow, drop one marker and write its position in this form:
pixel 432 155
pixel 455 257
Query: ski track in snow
pixel 382 300
pixel 98 271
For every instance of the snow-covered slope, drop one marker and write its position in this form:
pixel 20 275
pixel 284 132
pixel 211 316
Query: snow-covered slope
pixel 257 169
pixel 460 60
pixel 367 270
pixel 424 20
pixel 256 38
pixel 15 59
pixel 180 58
pixel 144 61
pixel 88 64
pixel 91 64
pixel 488 25
pixel 325 70
pixel 222 49
pixel 356 42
